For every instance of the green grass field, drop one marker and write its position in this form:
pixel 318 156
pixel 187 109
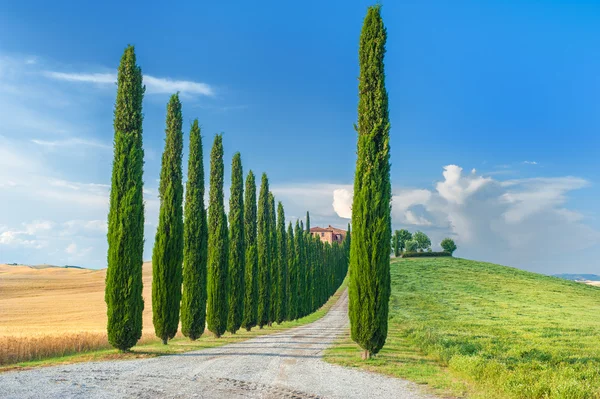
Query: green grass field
pixel 480 330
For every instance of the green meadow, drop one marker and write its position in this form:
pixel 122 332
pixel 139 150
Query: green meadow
pixel 478 330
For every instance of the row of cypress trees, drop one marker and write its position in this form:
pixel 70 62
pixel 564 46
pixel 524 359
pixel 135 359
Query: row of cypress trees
pixel 207 271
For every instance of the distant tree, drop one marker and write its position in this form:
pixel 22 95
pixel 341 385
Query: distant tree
pixel 123 289
pixel 299 263
pixel 218 245
pixel 195 243
pixel 274 260
pixel 282 260
pixel 237 246
pixel 292 280
pixel 396 243
pixel 264 254
pixel 448 245
pixel 404 236
pixel 369 282
pixel 423 242
pixel 251 277
pixel 167 256
pixel 411 245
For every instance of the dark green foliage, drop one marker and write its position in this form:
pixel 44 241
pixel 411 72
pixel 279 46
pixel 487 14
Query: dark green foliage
pixel 292 276
pixel 195 243
pixel 264 254
pixel 448 245
pixel 369 285
pixel 300 269
pixel 423 242
pixel 396 243
pixel 411 246
pixel 307 222
pixel 251 277
pixel 167 255
pixel 218 245
pixel 123 292
pixel 404 235
pixel 407 254
pixel 282 260
pixel 274 259
pixel 236 246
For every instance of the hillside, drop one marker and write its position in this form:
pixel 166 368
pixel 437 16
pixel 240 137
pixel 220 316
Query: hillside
pixel 488 331
pixel 52 300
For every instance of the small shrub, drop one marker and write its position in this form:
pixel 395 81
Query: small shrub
pixel 448 245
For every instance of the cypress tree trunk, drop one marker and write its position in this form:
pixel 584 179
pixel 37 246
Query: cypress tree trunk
pixel 274 258
pixel 264 252
pixel 282 264
pixel 123 289
pixel 195 243
pixel 167 254
pixel 369 288
pixel 236 246
pixel 218 245
pixel 291 275
pixel 251 277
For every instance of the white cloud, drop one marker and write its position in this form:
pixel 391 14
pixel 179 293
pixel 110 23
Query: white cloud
pixel 530 162
pixel 342 203
pixel 153 84
pixel 71 249
pixel 70 142
pixel 456 188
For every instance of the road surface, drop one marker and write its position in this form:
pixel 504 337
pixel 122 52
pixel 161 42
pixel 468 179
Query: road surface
pixel 282 365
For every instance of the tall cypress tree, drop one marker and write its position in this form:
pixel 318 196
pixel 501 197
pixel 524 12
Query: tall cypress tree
pixel 123 289
pixel 167 254
pixel 264 254
pixel 251 276
pixel 274 258
pixel 369 289
pixel 290 288
pixel 195 243
pixel 309 267
pixel 282 265
pixel 299 263
pixel 218 245
pixel 237 246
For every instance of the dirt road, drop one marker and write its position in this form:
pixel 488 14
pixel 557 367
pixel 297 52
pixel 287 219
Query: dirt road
pixel 283 365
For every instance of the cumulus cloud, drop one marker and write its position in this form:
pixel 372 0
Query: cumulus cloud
pixel 523 222
pixel 342 203
pixel 153 84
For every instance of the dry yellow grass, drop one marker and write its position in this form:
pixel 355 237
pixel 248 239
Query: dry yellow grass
pixel 52 312
pixel 54 301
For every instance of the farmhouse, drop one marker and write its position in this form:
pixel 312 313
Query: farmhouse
pixel 329 234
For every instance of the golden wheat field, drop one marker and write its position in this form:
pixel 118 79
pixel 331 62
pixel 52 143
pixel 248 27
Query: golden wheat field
pixel 55 311
pixel 58 300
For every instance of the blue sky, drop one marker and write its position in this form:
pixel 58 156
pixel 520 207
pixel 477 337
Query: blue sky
pixel 494 112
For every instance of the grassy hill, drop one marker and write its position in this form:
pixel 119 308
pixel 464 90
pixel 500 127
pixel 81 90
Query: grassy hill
pixel 480 330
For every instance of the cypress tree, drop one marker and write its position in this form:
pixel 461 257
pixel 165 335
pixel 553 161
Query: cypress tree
pixel 195 243
pixel 264 254
pixel 300 286
pixel 167 254
pixel 123 289
pixel 307 222
pixel 251 277
pixel 369 288
pixel 291 283
pixel 282 265
pixel 274 259
pixel 218 245
pixel 237 246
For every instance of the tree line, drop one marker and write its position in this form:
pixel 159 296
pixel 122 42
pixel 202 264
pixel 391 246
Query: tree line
pixel 209 269
pixel 404 240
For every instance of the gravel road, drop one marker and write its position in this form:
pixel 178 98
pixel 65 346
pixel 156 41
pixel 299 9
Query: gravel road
pixel 282 365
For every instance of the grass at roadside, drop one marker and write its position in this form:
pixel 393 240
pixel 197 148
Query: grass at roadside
pixel 478 330
pixel 73 348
